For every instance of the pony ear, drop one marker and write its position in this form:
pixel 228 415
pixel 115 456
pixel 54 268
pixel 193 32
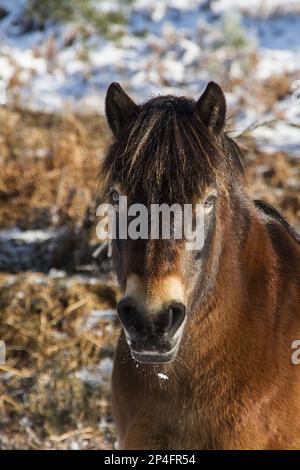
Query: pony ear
pixel 119 108
pixel 211 108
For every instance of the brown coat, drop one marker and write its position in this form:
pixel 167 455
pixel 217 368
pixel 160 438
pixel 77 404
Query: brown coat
pixel 233 385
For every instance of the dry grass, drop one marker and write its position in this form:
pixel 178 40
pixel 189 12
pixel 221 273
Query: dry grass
pixel 42 401
pixel 276 179
pixel 49 167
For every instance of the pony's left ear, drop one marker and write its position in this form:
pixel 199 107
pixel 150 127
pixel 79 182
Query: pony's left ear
pixel 211 108
pixel 119 108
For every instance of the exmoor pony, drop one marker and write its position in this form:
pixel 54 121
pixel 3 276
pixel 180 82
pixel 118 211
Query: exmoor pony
pixel 204 356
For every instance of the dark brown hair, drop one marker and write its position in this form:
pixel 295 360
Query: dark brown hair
pixel 165 153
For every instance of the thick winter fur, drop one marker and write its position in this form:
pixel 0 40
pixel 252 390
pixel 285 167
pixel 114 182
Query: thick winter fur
pixel 232 384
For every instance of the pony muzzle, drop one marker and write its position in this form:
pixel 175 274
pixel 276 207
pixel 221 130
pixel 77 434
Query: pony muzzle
pixel 155 337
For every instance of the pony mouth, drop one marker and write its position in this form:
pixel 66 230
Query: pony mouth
pixel 154 357
pixel 161 355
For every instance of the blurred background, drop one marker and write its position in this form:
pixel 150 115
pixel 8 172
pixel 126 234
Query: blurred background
pixel 57 297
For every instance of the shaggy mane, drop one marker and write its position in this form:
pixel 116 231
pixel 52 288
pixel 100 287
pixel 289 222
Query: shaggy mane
pixel 167 154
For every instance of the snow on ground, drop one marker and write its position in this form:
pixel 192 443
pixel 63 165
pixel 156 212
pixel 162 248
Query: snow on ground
pixel 257 7
pixel 99 315
pixel 172 46
pixel 98 375
pixel 26 236
pixel 280 137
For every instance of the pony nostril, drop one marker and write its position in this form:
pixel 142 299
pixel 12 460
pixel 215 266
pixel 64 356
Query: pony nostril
pixel 178 316
pixel 164 320
pixel 170 319
pixel 123 308
pixel 127 313
pixel 178 311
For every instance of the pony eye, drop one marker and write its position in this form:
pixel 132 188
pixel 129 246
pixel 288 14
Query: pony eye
pixel 209 203
pixel 114 195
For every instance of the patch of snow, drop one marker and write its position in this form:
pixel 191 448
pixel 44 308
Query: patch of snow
pixel 163 376
pixel 256 8
pixel 74 445
pixel 57 273
pixel 26 236
pixel 103 424
pixel 281 137
pixel 98 375
pixel 274 62
pixel 95 316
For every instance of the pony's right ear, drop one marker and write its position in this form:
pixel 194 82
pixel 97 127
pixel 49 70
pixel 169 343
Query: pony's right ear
pixel 119 108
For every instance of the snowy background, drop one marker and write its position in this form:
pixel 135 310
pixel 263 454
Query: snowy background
pixel 163 46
